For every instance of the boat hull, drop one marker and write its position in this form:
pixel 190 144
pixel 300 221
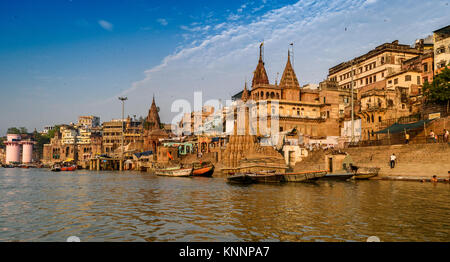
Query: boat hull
pixel 69 168
pixel 366 173
pixel 240 179
pixel 304 176
pixel 205 172
pixel 343 176
pixel 175 172
pixel 266 178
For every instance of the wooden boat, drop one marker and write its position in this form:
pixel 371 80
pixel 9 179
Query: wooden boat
pixel 339 176
pixel 266 177
pixel 366 173
pixel 240 178
pixel 203 169
pixel 69 168
pixel 56 168
pixel 308 176
pixel 174 172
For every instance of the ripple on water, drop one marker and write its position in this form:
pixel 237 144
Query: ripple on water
pixel 38 205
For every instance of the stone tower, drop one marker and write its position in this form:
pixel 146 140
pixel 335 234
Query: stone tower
pixel 245 94
pixel 153 121
pixel 289 82
pixel 260 74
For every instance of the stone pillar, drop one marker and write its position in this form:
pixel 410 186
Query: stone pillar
pixel 120 165
pixel 98 164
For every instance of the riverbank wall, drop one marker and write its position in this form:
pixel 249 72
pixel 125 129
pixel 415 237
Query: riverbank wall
pixel 414 161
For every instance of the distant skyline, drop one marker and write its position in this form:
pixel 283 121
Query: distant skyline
pixel 62 59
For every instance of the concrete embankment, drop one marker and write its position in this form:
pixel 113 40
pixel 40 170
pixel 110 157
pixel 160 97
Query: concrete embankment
pixel 414 162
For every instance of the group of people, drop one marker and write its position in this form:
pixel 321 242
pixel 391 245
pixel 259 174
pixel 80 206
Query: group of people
pixel 434 138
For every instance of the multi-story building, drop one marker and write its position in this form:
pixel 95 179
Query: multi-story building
pixel 313 112
pixel 112 135
pixel 388 82
pixel 423 63
pixel 441 39
pixel 69 135
pixel 89 121
pixel 373 66
pixel 70 142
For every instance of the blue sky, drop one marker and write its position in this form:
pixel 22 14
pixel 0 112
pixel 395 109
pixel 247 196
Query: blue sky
pixel 61 59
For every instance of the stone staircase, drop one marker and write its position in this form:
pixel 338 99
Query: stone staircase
pixel 420 160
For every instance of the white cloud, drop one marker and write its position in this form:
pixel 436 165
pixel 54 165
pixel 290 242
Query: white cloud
pixel 218 64
pixel 106 25
pixel 162 21
pixel 242 8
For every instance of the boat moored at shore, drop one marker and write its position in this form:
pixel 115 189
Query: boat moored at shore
pixel 174 172
pixel 205 169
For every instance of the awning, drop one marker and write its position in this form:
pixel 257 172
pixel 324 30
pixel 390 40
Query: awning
pixel 146 153
pixel 397 128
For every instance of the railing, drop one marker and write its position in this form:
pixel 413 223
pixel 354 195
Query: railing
pixel 399 140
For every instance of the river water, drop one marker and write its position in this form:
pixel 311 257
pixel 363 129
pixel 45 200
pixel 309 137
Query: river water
pixel 38 205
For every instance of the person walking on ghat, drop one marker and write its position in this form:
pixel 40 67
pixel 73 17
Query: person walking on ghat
pixel 393 159
pixel 446 134
pixel 432 136
pixel 406 138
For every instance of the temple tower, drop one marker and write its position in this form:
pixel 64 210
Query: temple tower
pixel 289 82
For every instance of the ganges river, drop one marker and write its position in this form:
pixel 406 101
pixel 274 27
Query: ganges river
pixel 38 205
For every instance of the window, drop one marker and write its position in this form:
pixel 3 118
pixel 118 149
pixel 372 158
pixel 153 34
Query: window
pixel 425 79
pixel 407 78
pixel 395 81
pixel 374 78
pixel 379 119
pixel 425 67
pixel 418 80
pixel 390 82
pixel 382 74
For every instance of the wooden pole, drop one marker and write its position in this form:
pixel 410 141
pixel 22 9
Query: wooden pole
pixel 389 137
pixel 425 131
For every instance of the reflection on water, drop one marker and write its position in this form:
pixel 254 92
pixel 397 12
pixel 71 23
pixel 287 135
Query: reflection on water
pixel 37 205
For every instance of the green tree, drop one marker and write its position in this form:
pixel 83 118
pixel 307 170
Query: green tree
pixel 23 130
pixel 41 140
pixel 51 133
pixel 438 91
pixel 13 130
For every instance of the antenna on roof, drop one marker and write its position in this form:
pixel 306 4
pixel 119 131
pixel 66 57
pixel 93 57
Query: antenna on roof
pixel 292 52
pixel 261 51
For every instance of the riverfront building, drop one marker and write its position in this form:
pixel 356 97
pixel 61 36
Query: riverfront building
pixel 441 38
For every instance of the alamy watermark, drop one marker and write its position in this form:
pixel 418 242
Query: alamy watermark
pixel 214 117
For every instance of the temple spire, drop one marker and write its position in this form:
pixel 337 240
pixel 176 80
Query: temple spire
pixel 260 74
pixel 289 79
pixel 153 116
pixel 245 94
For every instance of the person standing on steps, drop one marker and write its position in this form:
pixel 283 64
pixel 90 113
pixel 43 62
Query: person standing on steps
pixel 406 138
pixel 393 159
